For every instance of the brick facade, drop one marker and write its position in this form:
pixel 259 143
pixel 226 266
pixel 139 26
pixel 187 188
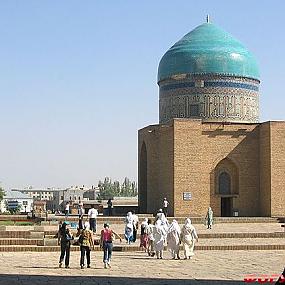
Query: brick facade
pixel 187 155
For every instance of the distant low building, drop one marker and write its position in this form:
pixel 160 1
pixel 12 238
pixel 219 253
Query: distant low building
pixel 16 199
pixel 56 198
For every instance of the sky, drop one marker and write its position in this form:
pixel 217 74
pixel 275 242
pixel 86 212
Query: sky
pixel 78 79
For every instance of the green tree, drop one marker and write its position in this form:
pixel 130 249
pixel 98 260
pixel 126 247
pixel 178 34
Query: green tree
pixel 134 189
pixel 2 193
pixel 109 189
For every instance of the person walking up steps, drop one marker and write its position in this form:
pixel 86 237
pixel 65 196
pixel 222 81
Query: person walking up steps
pixel 92 214
pixel 64 240
pixel 106 243
pixel 135 225
pixel 67 209
pixel 173 239
pixel 159 235
pixel 86 243
pixel 149 232
pixel 81 213
pixel 144 235
pixel 129 227
pixel 165 207
pixel 188 237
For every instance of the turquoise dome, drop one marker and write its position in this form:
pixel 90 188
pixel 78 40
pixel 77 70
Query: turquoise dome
pixel 208 49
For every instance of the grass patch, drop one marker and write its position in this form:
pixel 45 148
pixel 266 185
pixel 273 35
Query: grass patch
pixel 12 223
pixel 24 224
pixel 6 223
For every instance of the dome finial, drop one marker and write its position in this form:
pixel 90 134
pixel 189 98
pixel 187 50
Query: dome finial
pixel 208 18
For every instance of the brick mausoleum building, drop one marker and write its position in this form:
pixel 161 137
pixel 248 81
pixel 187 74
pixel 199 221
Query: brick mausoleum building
pixel 209 148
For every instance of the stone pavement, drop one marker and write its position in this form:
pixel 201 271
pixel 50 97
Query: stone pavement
pixel 132 268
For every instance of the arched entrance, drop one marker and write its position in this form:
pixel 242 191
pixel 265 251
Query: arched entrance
pixel 225 189
pixel 143 180
pixel 226 186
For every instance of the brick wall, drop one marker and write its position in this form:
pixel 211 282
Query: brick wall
pixel 184 156
pixel 159 146
pixel 198 149
pixel 265 170
pixel 277 132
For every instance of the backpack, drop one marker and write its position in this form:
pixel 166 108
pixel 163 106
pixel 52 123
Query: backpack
pixel 84 238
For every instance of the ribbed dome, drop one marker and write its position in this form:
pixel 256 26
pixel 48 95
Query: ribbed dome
pixel 208 50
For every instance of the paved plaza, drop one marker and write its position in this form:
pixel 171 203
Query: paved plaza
pixel 128 268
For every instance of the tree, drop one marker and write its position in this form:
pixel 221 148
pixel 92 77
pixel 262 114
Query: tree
pixel 109 189
pixel 2 194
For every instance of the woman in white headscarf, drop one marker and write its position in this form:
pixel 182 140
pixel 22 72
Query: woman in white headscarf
pixel 159 234
pixel 149 232
pixel 188 237
pixel 144 236
pixel 173 239
pixel 161 217
pixel 129 228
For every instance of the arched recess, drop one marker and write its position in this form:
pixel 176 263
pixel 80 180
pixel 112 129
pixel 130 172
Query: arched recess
pixel 226 185
pixel 226 178
pixel 224 181
pixel 143 179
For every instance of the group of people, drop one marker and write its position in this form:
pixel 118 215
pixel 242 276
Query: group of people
pixel 86 242
pixel 155 235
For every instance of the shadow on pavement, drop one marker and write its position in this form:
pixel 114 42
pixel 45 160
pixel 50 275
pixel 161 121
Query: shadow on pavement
pixel 103 280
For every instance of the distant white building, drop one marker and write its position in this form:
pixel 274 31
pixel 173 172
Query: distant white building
pixel 14 199
pixel 38 193
pixel 56 198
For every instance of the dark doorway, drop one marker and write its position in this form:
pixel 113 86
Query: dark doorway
pixel 224 183
pixel 143 180
pixel 226 207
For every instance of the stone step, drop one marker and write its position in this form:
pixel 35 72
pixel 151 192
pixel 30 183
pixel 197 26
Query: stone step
pixel 195 220
pixel 17 241
pixel 50 242
pixel 210 235
pixel 221 239
pixel 52 234
pixel 10 248
pixel 242 235
pixel 14 234
pixel 37 234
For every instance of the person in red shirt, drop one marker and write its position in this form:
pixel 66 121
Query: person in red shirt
pixel 106 243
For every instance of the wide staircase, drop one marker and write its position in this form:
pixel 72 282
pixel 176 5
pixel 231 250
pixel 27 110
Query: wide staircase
pixel 227 234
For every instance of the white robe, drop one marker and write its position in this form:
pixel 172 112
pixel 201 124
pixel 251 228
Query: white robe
pixel 188 237
pixel 159 237
pixel 173 238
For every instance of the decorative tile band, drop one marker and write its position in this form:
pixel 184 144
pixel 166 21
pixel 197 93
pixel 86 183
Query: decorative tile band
pixel 207 77
pixel 221 84
pixel 207 90
pixel 210 108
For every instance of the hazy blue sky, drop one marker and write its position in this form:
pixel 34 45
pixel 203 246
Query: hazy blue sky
pixel 78 79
